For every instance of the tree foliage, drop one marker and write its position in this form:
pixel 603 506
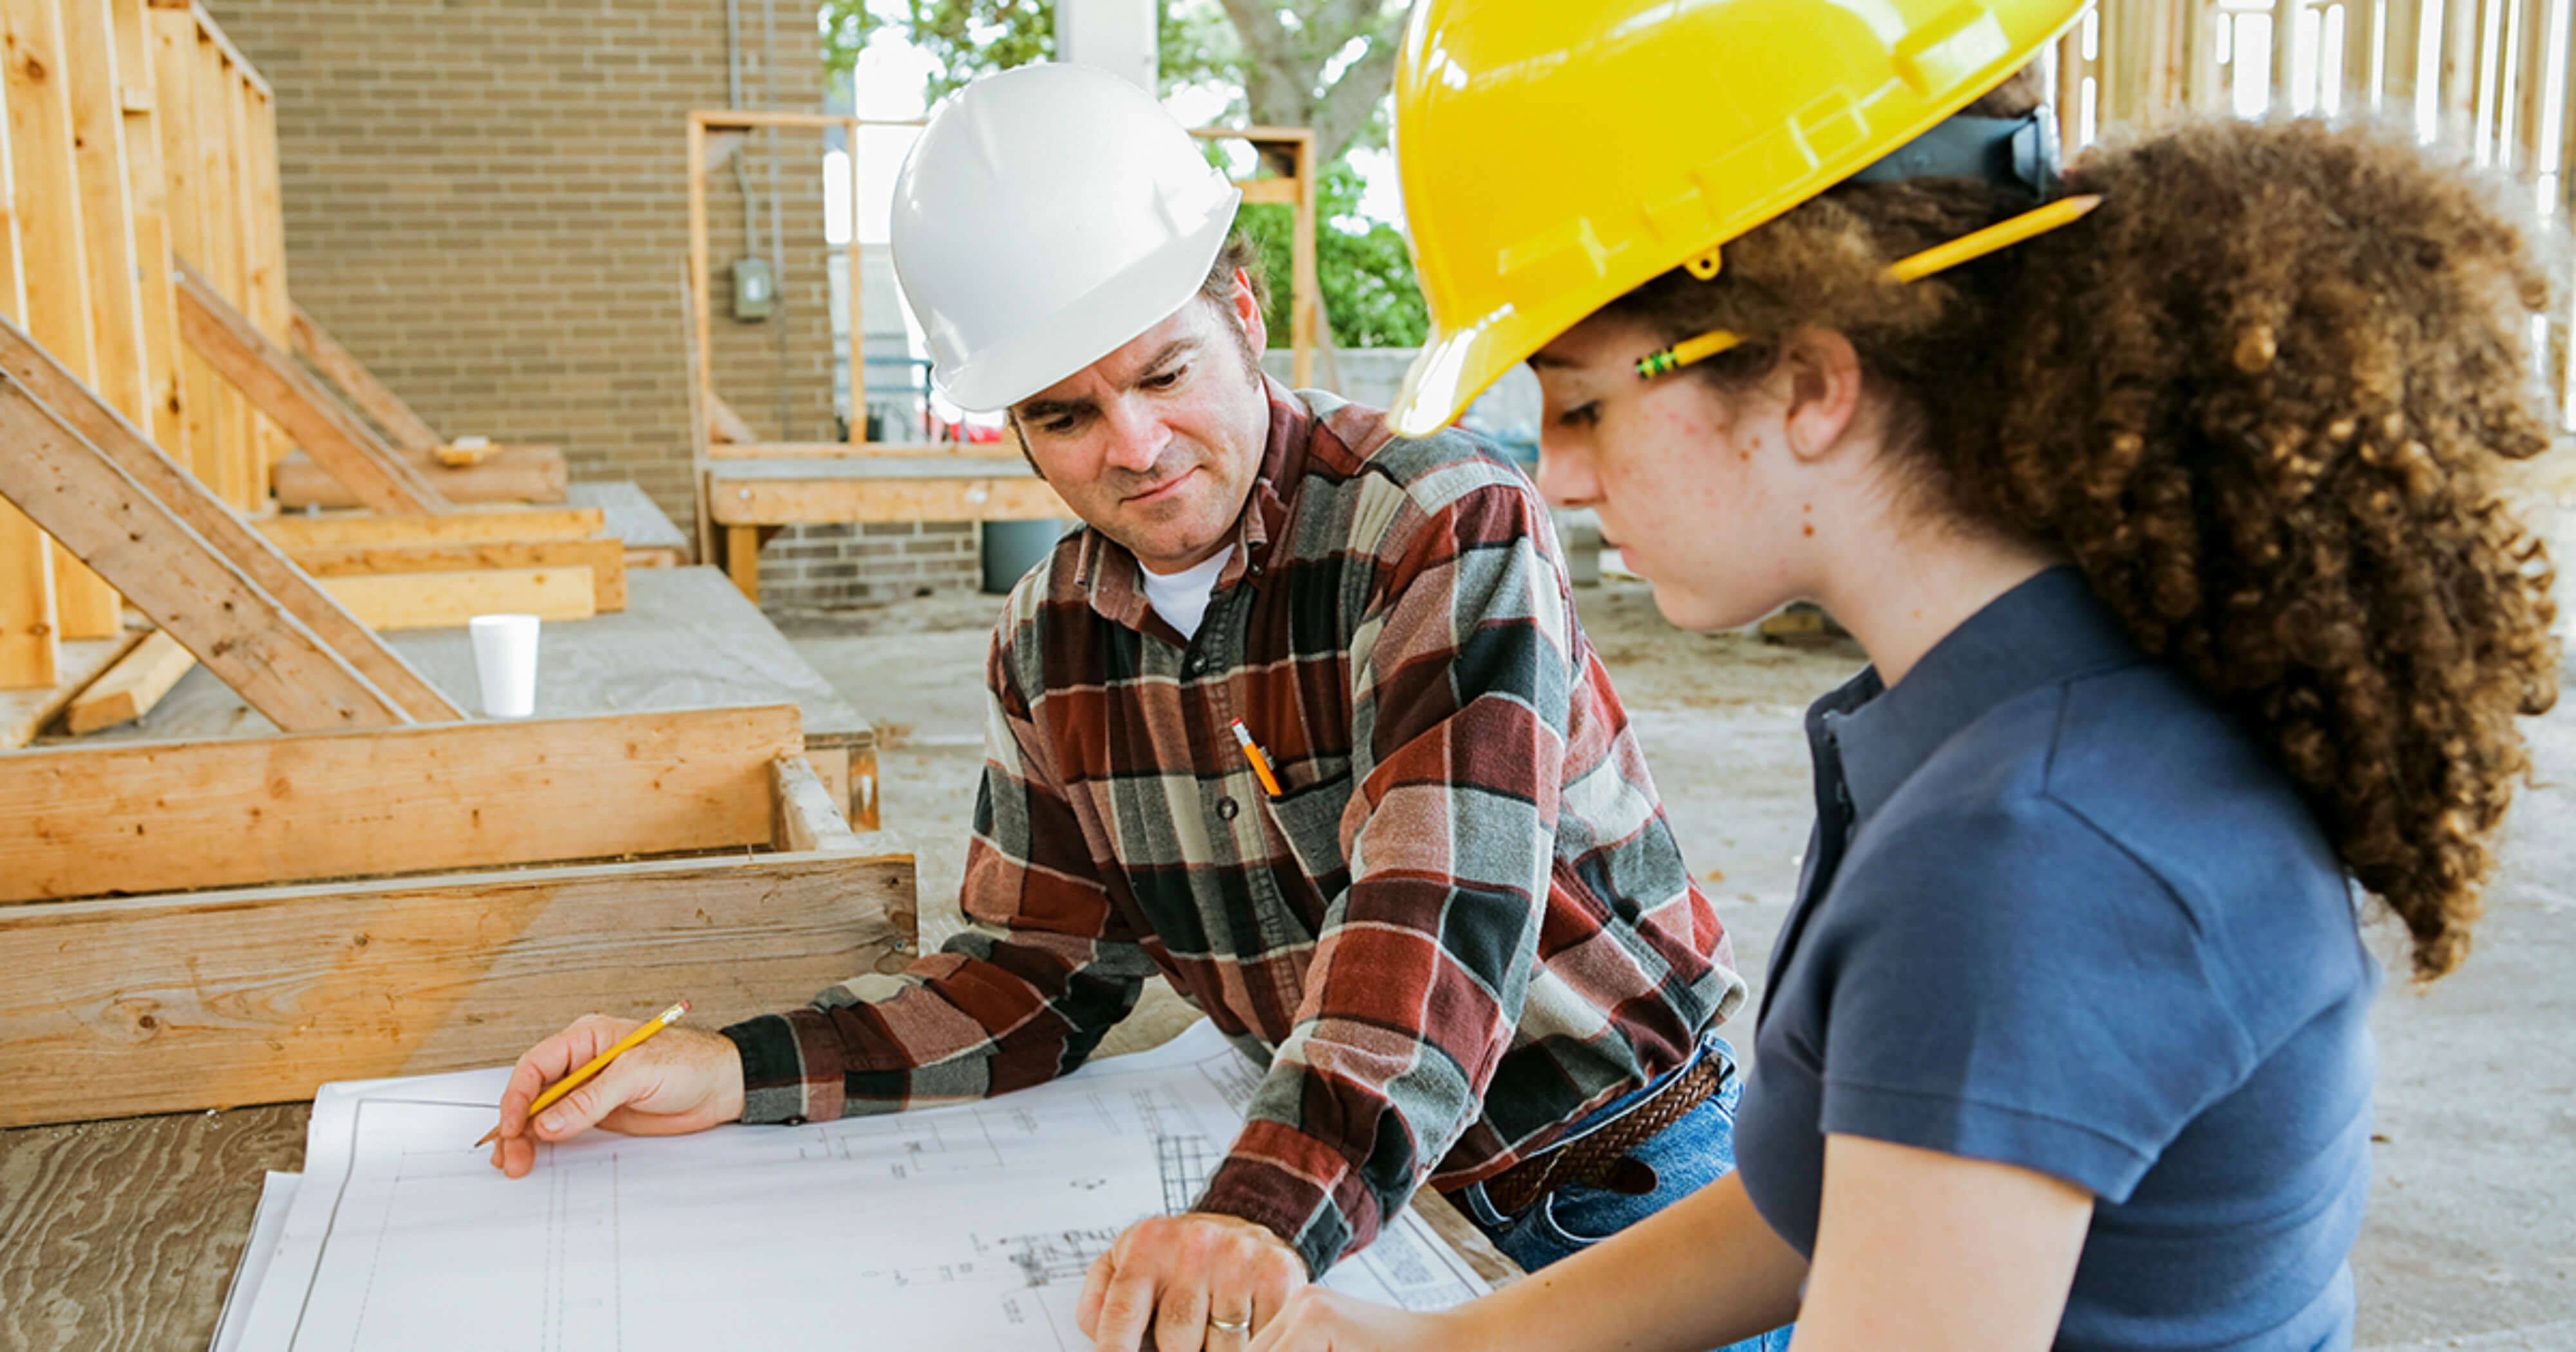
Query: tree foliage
pixel 1279 58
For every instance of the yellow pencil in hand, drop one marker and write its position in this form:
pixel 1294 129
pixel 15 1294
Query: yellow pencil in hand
pixel 598 1063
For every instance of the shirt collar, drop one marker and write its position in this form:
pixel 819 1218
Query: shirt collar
pixel 1115 582
pixel 2048 630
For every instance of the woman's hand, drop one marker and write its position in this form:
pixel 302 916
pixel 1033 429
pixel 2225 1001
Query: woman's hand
pixel 1317 1320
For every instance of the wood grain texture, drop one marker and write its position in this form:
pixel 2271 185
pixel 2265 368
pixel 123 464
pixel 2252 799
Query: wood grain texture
pixel 531 474
pixel 121 1236
pixel 170 1003
pixel 803 816
pixel 95 820
pixel 167 423
pixel 31 631
pixel 173 575
pixel 395 601
pixel 776 493
pixel 329 433
pixel 491 523
pixel 24 713
pixel 188 499
pixel 604 557
pixel 130 688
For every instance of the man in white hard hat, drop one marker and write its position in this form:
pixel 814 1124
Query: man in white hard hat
pixel 1436 896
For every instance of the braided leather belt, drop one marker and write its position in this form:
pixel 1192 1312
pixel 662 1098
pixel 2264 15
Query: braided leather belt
pixel 1601 1159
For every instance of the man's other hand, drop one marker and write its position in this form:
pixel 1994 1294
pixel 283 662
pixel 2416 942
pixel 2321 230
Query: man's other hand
pixel 1199 1281
pixel 679 1081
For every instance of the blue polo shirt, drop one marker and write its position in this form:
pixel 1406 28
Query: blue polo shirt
pixel 2061 912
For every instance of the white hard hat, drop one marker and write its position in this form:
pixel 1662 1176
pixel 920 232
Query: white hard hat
pixel 1046 216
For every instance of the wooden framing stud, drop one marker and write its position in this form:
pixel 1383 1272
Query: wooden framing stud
pixel 76 493
pixel 190 501
pixel 803 815
pixel 327 432
pixel 131 687
pixel 409 430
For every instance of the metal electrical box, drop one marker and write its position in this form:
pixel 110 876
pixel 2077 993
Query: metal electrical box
pixel 755 291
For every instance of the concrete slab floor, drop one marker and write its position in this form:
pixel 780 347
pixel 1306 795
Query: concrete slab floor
pixel 2471 1236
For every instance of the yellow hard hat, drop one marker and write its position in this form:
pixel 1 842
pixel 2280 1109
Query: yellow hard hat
pixel 1556 156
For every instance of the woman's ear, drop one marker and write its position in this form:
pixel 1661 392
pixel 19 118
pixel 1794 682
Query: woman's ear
pixel 1818 380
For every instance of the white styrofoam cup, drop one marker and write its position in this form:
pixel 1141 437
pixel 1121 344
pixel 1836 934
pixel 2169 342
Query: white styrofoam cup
pixel 505 662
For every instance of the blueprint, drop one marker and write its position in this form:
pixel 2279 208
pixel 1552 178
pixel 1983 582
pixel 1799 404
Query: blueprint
pixel 960 1227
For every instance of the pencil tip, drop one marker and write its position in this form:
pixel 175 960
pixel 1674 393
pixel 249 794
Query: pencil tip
pixel 488 1138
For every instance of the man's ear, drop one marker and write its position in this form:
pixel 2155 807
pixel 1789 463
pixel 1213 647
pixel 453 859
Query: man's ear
pixel 1818 378
pixel 1245 305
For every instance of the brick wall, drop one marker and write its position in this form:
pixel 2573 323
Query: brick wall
pixel 484 201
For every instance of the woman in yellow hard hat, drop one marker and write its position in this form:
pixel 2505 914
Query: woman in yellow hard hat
pixel 2163 497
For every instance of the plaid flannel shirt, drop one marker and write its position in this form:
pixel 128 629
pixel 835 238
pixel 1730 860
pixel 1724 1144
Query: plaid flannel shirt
pixel 1462 925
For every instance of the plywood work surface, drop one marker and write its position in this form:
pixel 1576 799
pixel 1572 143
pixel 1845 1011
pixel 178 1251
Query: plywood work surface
pixel 687 640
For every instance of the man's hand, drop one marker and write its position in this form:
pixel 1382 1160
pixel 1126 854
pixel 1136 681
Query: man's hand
pixel 680 1081
pixel 1317 1320
pixel 1200 1280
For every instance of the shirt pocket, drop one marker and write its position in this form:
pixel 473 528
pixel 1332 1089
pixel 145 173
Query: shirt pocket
pixel 1309 820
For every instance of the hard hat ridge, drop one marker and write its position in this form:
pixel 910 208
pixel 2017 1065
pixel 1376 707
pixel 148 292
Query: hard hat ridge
pixel 1048 215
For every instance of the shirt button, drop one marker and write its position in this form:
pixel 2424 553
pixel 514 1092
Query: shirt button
pixel 1226 808
pixel 1193 665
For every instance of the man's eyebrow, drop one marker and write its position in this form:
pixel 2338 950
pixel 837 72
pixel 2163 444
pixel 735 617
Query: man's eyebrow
pixel 1037 410
pixel 1163 356
pixel 1042 410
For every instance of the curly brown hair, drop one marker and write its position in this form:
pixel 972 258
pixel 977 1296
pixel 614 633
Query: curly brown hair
pixel 2261 397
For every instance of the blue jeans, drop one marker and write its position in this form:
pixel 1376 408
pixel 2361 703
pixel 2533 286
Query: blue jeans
pixel 1687 1156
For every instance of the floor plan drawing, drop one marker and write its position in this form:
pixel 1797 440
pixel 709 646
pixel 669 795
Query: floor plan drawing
pixel 966 1226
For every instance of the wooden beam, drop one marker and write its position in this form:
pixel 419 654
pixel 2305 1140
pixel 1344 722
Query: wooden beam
pixel 107 206
pixel 167 419
pixel 264 242
pixel 78 495
pixel 328 432
pixel 393 601
pixel 191 501
pixel 464 527
pixel 24 713
pixel 53 237
pixel 742 560
pixel 604 556
pixel 1005 453
pixel 172 1003
pixel 535 474
pixel 30 622
pixel 154 817
pixel 802 813
pixel 725 425
pixel 219 257
pixel 408 429
pixel 129 689
pixel 173 35
pixel 773 502
pixel 91 608
pixel 31 631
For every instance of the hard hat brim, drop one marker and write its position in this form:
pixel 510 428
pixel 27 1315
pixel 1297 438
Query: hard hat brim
pixel 1101 321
